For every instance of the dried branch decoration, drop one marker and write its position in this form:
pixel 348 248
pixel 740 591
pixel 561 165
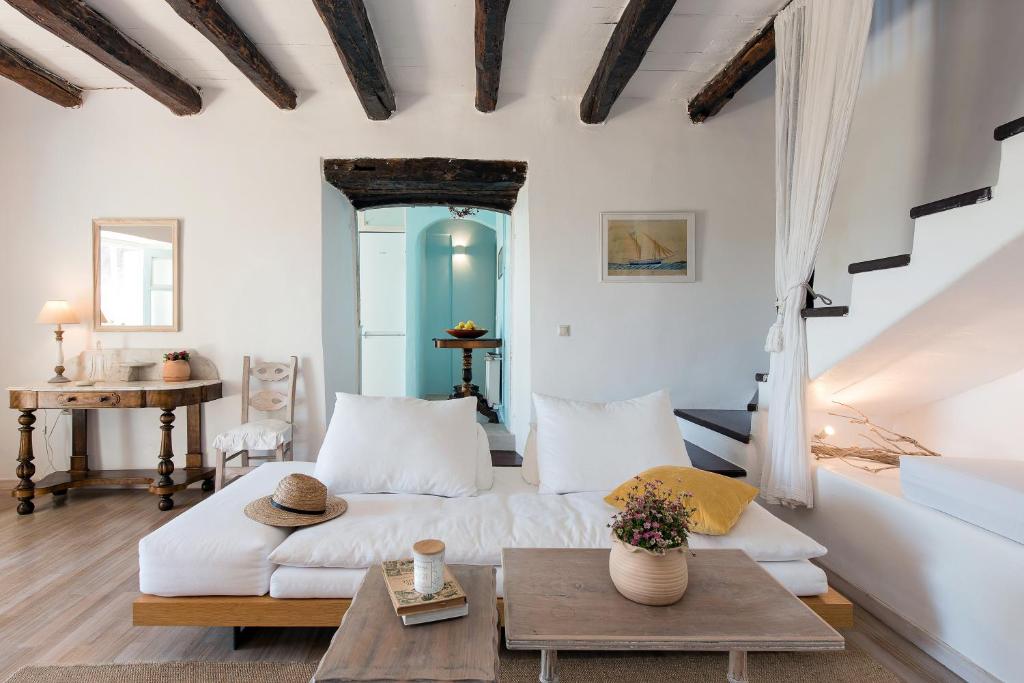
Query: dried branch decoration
pixel 886 446
pixel 464 212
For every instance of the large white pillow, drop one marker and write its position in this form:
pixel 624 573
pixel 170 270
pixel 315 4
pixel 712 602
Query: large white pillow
pixel 484 466
pixel 529 467
pixel 400 445
pixel 584 446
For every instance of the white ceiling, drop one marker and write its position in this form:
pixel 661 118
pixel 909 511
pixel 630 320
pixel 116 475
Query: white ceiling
pixel 551 46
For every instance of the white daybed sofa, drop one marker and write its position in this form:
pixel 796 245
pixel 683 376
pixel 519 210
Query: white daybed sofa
pixel 214 549
pixel 949 586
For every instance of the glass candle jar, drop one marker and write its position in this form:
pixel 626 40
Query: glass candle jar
pixel 428 566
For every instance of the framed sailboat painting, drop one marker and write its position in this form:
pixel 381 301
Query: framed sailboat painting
pixel 648 247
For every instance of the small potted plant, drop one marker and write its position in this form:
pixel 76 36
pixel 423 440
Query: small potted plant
pixel 648 558
pixel 176 367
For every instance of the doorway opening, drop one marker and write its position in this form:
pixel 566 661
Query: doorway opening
pixel 355 185
pixel 423 270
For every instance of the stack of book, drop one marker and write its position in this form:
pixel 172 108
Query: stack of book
pixel 417 608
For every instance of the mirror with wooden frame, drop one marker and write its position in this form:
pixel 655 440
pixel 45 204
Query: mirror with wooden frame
pixel 136 285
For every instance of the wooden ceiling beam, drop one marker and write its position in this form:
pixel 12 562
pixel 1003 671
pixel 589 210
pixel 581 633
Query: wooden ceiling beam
pixel 41 81
pixel 210 19
pixel 352 35
pixel 78 24
pixel 633 34
pixel 482 183
pixel 489 39
pixel 758 53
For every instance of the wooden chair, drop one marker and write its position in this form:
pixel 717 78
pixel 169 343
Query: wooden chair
pixel 267 434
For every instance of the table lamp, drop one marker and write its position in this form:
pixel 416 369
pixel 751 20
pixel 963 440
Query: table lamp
pixel 58 313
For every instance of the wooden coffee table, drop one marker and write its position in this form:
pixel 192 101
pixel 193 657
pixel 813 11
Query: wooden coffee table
pixel 373 645
pixel 563 599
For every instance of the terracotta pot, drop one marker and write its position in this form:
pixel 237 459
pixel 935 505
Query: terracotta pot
pixel 646 577
pixel 176 371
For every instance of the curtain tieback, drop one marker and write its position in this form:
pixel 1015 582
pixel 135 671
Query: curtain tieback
pixel 773 344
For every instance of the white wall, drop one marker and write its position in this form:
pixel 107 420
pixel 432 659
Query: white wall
pixel 245 179
pixel 981 423
pixel 938 76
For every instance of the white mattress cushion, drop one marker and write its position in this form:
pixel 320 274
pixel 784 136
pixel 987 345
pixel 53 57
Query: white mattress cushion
pixel 380 444
pixel 257 435
pixel 213 548
pixel 800 577
pixel 988 493
pixel 382 527
pixel 588 446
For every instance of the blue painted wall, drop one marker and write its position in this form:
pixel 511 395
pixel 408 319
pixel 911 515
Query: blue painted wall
pixel 444 289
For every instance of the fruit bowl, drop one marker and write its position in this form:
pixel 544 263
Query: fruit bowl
pixel 466 334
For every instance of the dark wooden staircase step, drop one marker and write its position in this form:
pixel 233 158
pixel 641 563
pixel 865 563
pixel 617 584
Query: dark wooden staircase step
pixel 701 459
pixel 752 404
pixel 956 201
pixel 734 424
pixel 709 462
pixel 879 264
pixel 826 312
pixel 1008 130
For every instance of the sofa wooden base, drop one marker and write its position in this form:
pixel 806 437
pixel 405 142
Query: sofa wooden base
pixel 263 610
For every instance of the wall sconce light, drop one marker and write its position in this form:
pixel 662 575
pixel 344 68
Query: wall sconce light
pixel 826 431
pixel 459 250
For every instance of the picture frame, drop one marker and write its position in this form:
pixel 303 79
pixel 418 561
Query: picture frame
pixel 650 247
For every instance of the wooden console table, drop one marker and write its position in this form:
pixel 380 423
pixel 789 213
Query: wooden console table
pixel 114 395
pixel 467 388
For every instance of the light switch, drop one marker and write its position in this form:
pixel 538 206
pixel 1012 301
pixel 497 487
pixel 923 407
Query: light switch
pixel 563 331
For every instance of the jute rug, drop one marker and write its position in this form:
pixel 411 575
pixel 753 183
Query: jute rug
pixel 516 667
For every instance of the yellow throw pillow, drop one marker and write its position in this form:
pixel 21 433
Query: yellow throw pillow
pixel 717 501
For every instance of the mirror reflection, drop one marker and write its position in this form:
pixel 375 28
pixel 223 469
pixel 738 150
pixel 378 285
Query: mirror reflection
pixel 136 274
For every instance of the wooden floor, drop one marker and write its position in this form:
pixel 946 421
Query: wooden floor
pixel 69 573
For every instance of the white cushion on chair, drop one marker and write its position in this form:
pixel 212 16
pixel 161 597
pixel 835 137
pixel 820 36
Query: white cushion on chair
pixel 258 435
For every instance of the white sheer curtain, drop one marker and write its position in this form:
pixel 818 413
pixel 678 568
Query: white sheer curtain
pixel 819 47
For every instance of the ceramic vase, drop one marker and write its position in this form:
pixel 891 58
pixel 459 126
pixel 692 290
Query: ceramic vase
pixel 176 371
pixel 646 577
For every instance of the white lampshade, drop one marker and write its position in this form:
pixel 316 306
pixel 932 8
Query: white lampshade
pixel 57 312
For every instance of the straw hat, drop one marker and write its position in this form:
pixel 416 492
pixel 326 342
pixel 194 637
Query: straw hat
pixel 299 500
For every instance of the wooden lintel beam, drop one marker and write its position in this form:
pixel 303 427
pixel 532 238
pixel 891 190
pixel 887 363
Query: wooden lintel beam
pixel 209 18
pixel 489 39
pixel 483 183
pixel 352 35
pixel 41 81
pixel 78 24
pixel 633 34
pixel 758 53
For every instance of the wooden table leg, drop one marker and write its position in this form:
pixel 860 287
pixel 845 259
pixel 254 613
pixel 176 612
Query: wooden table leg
pixel 737 666
pixel 194 426
pixel 467 388
pixel 166 466
pixel 548 666
pixel 25 490
pixel 79 441
pixel 467 372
